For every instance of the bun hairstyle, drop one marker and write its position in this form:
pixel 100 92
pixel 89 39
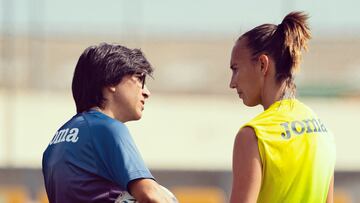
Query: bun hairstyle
pixel 284 43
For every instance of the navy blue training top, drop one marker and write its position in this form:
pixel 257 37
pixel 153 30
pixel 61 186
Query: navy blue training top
pixel 91 159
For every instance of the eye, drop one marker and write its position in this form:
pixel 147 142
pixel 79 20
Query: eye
pixel 141 78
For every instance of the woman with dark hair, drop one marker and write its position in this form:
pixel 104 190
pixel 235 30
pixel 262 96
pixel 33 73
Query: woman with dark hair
pixel 92 157
pixel 284 154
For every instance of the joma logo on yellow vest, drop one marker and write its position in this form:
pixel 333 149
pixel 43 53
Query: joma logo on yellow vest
pixel 298 127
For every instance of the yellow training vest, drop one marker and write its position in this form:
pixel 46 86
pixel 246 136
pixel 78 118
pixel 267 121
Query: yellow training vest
pixel 297 152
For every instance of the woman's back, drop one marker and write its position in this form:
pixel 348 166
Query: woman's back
pixel 297 153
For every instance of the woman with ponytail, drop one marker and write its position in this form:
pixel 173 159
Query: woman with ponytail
pixel 286 153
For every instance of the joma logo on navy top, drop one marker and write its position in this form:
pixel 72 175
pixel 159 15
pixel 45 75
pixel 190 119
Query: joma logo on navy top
pixel 65 135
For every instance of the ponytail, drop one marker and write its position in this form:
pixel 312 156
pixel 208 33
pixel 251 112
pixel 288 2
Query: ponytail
pixel 296 35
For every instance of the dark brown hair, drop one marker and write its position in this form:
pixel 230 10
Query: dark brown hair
pixel 101 66
pixel 283 42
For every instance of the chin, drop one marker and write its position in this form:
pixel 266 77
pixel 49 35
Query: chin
pixel 137 116
pixel 249 104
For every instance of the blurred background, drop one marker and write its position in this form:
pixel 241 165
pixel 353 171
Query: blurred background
pixel 190 121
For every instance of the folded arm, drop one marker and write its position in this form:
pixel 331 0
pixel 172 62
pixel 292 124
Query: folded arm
pixel 148 191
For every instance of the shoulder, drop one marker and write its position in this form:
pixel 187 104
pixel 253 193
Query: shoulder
pixel 305 107
pixel 246 144
pixel 277 113
pixel 261 119
pixel 246 136
pixel 111 127
pixel 246 155
pixel 102 126
pixel 101 121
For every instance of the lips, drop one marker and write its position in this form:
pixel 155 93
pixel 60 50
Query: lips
pixel 143 104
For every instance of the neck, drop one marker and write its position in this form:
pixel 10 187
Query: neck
pixel 109 112
pixel 272 93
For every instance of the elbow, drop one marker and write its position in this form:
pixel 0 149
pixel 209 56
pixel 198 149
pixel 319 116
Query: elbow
pixel 149 197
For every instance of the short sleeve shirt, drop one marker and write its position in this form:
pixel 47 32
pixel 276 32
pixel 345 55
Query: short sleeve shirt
pixel 91 159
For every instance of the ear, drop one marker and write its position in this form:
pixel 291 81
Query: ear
pixel 111 89
pixel 264 63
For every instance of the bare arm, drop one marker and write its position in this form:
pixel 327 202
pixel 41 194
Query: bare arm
pixel 148 191
pixel 246 167
pixel 330 196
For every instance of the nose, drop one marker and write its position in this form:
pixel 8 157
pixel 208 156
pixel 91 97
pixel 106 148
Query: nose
pixel 146 92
